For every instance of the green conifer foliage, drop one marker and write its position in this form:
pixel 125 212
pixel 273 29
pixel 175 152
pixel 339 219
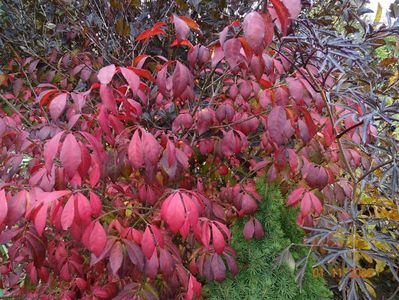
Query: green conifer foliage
pixel 259 278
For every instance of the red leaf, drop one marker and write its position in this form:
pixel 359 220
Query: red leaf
pixel 248 205
pixel 151 266
pixel 70 155
pixel 282 14
pixel 44 97
pixel 135 254
pixel 51 149
pixel 151 148
pixel 295 196
pixel 173 212
pixel 98 239
pixel 147 243
pixel 296 88
pixel 194 288
pixel 149 33
pixel 68 213
pixel 190 22
pixel 182 29
pixel 218 239
pixel 249 229
pixel 57 105
pixel 312 128
pixel 231 50
pixel 107 98
pixel 143 73
pixel 3 207
pixel 181 77
pixel 16 208
pixel 316 203
pixel 294 7
pixel 132 79
pixel 254 31
pixel 135 151
pixel 306 204
pixel 95 204
pixel 84 208
pixel 116 257
pixel 278 126
pixel 40 219
pixel 218 268
pixel 166 262
pixel 205 234
pixel 105 74
pixel 293 160
pixel 259 232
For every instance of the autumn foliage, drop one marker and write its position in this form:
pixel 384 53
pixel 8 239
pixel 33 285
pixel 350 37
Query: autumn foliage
pixel 121 182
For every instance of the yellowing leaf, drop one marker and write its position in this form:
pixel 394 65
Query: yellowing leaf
pixel 367 273
pixel 122 27
pixel 378 14
pixel 380 266
pixel 370 288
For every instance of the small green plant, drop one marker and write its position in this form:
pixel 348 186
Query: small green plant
pixel 260 277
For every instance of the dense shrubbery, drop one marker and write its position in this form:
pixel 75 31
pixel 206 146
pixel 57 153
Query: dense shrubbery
pixel 123 168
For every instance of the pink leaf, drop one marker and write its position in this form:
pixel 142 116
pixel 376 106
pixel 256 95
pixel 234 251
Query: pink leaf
pixel 306 204
pixel 282 14
pixel 147 243
pixel 166 262
pixel 249 229
pixel 173 212
pixel 151 266
pixel 254 31
pixel 132 79
pixel 68 213
pixel 105 74
pixel 278 126
pixel 107 98
pixel 95 204
pixel 70 155
pixel 51 149
pixel 116 257
pixel 231 50
pixel 316 203
pixel 194 288
pixel 182 29
pixel 98 239
pixel 84 208
pixel 295 196
pixel 3 206
pixel 135 151
pixel 57 105
pixel 218 239
pixel 40 219
pixel 218 268
pixel 16 207
pixel 151 148
pixel 294 7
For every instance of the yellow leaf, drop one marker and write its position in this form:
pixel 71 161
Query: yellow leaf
pixel 378 14
pixel 393 78
pixel 122 27
pixel 115 4
pixel 367 273
pixel 380 266
pixel 367 257
pixel 129 211
pixel 370 288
